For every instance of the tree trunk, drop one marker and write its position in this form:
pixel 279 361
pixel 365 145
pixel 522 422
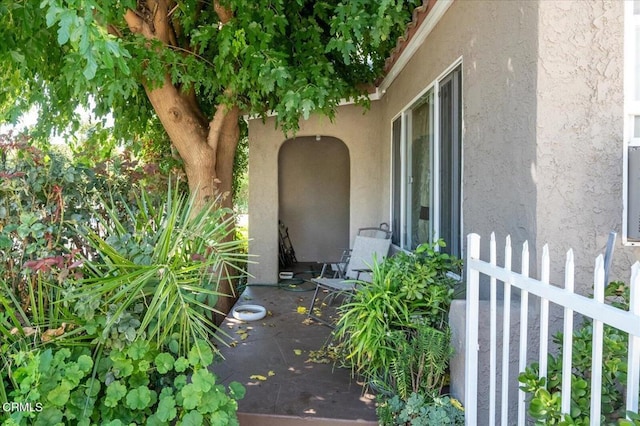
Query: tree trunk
pixel 207 148
pixel 209 172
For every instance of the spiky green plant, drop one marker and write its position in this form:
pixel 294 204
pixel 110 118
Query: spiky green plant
pixel 420 366
pixel 168 259
pixel 403 288
pixel 367 320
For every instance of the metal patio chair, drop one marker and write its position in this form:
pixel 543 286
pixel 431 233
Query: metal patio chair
pixel 365 251
pixel 339 268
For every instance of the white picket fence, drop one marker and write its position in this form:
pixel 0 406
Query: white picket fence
pixel 601 313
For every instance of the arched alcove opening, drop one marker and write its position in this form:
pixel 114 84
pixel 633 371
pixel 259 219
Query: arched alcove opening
pixel 314 196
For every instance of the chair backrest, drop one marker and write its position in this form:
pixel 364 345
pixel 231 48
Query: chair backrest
pixel 381 231
pixel 365 250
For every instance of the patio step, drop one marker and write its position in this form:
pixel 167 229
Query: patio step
pixel 251 419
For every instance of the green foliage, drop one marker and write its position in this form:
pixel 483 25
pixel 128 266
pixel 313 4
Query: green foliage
pixel 416 410
pixel 41 193
pixel 293 58
pixel 395 333
pixel 420 365
pixel 44 197
pixel 138 385
pixel 546 391
pixel 101 314
pixel 164 256
pixel 407 291
pixel 241 176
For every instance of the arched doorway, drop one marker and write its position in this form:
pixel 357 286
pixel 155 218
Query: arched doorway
pixel 313 194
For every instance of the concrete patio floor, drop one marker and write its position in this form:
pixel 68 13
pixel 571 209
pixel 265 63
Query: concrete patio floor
pixel 271 358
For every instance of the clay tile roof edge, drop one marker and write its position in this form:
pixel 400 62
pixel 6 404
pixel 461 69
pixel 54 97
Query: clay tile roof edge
pixel 423 20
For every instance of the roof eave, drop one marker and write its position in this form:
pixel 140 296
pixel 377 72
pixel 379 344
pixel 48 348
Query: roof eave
pixel 424 21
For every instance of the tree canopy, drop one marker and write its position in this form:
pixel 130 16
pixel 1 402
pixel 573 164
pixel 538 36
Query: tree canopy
pixel 288 57
pixel 191 68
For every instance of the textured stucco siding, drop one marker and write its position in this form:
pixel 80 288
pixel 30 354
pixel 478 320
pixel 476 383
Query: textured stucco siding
pixel 497 41
pixel 361 133
pixel 578 171
pixel 313 196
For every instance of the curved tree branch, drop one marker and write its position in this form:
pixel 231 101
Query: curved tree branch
pixel 223 12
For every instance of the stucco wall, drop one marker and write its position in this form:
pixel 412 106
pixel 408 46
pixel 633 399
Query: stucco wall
pixel 497 41
pixel 579 126
pixel 361 133
pixel 313 196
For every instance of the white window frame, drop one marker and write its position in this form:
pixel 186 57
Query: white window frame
pixel 631 105
pixel 405 158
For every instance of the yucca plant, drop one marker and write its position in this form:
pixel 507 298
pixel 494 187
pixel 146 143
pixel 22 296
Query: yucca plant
pixel 159 266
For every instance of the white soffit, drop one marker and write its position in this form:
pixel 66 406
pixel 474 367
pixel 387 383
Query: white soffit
pixel 416 41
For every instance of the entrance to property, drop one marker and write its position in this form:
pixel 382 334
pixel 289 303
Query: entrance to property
pixel 313 196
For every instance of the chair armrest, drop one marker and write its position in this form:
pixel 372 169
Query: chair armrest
pixel 361 270
pixel 327 264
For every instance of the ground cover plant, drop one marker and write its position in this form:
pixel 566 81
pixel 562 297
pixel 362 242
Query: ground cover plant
pixel 106 296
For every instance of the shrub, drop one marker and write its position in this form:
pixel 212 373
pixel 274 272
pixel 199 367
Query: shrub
pixel 164 256
pixel 100 289
pixel 417 410
pixel 139 385
pixel 407 290
pixel 395 333
pixel 545 392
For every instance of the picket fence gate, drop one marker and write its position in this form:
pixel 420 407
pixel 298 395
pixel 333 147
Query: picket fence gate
pixel 595 308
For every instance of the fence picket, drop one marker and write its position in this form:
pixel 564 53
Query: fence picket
pixel 633 367
pixel 471 327
pixel 524 328
pixel 596 352
pixel 492 334
pixel 544 314
pixel 506 328
pixel 567 343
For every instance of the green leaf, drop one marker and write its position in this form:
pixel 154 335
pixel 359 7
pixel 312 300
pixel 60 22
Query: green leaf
pixel 180 381
pixel 237 390
pixel 93 389
pixel 49 416
pixel 73 375
pixel 181 364
pixel 192 418
pixel 192 395
pixel 212 401
pixel 164 362
pixel 59 396
pixel 154 420
pixel 167 409
pixel 85 363
pixel 115 392
pixel 138 349
pixel 139 398
pixel 200 354
pixel 122 367
pixel 90 69
pixel 203 380
pixel 220 418
pixel 5 242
